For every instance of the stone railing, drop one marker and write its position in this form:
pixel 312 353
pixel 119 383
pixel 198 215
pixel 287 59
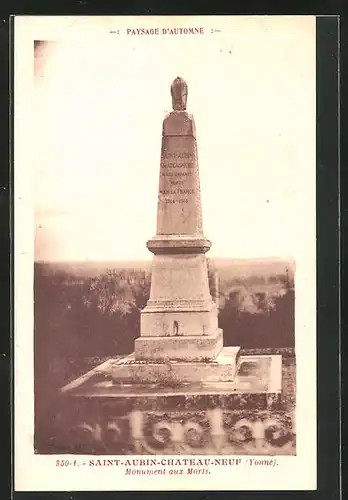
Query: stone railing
pixel 85 430
pixel 217 432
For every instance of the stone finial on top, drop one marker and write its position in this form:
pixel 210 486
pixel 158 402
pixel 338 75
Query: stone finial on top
pixel 178 91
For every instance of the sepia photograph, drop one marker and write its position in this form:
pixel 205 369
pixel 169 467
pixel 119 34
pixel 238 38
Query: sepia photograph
pixel 169 250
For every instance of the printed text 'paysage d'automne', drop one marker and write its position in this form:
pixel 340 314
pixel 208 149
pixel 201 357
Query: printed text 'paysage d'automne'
pixel 164 31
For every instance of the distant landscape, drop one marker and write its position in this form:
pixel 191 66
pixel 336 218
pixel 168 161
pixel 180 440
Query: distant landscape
pixel 231 267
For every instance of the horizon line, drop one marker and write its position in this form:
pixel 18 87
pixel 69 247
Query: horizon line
pixel 47 261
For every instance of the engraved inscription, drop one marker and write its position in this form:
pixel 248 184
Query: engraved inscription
pixel 176 166
pixel 184 154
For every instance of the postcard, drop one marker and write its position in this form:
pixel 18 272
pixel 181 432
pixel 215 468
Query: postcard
pixel 165 253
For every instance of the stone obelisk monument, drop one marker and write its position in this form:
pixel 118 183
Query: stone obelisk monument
pixel 179 336
pixel 179 341
pixel 180 319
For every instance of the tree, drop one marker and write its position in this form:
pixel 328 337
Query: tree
pixel 259 319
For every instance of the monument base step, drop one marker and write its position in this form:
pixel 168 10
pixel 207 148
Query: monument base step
pixel 185 348
pixel 222 369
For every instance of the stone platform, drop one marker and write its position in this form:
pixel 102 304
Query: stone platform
pixel 126 377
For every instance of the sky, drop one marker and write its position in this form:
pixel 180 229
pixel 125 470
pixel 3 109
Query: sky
pixel 100 99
